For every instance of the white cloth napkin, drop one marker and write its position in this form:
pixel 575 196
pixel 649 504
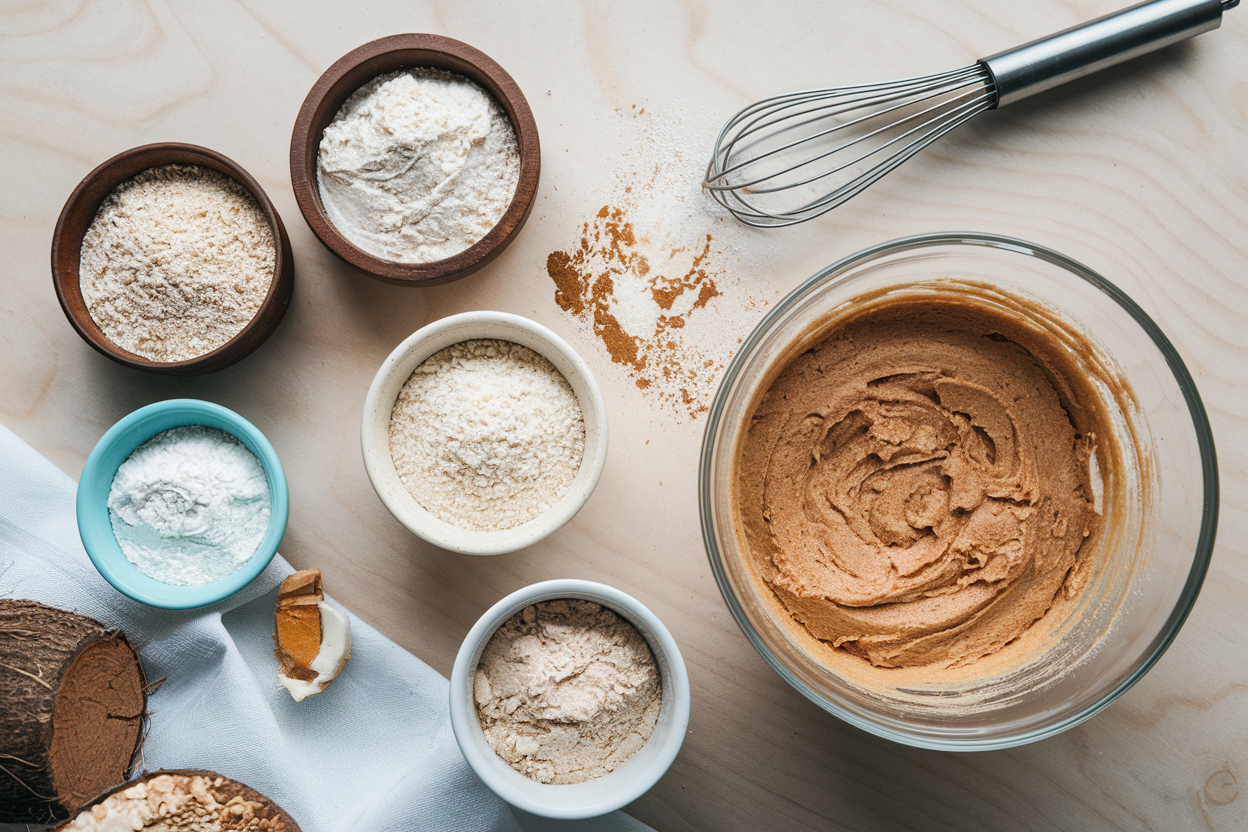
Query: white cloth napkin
pixel 373 753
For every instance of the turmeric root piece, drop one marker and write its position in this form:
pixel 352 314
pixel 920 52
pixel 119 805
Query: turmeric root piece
pixel 298 624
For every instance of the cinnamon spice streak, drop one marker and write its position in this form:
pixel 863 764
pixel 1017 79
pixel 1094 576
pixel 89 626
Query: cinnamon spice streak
pixel 638 297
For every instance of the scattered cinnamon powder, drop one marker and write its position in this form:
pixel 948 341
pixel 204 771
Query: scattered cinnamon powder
pixel 587 284
pixel 656 272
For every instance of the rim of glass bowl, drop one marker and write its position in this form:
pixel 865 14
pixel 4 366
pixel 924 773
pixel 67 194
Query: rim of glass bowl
pixel 1196 409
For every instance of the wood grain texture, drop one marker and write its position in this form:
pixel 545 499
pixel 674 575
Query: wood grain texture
pixel 1137 172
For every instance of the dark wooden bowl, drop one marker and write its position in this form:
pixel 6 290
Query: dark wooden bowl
pixel 80 210
pixel 391 54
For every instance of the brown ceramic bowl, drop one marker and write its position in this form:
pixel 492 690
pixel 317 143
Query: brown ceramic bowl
pixel 80 210
pixel 391 54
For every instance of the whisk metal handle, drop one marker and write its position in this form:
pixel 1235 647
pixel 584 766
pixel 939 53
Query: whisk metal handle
pixel 1082 50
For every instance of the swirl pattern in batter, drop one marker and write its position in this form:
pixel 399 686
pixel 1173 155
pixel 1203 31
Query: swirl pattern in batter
pixel 915 488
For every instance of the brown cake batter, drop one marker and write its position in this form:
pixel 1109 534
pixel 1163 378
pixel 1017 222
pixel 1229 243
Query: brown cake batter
pixel 915 487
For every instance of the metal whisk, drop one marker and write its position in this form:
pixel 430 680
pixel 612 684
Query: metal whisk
pixel 790 158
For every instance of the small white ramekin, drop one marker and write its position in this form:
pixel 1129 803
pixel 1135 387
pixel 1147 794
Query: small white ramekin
pixel 398 367
pixel 611 791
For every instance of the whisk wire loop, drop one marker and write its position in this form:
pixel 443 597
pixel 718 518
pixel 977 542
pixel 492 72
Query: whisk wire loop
pixel 753 215
pixel 824 114
pixel 771 154
pixel 940 115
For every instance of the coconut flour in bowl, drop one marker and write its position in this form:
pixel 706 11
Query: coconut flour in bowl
pixel 487 435
pixel 418 165
pixel 177 261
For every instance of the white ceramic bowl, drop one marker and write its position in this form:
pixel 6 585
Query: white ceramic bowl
pixel 398 367
pixel 611 791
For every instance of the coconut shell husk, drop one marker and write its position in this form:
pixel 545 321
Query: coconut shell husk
pixel 72 702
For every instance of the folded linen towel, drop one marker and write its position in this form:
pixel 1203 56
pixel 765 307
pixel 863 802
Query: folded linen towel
pixel 373 753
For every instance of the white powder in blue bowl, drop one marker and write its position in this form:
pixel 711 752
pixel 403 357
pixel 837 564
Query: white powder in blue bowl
pixel 190 506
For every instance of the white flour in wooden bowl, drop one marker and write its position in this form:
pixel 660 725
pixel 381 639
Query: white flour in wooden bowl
pixel 487 435
pixel 177 261
pixel 417 165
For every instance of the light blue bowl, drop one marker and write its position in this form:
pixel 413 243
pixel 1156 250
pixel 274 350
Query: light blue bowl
pixel 115 446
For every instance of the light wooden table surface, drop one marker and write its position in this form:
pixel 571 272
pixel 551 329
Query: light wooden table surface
pixel 1138 172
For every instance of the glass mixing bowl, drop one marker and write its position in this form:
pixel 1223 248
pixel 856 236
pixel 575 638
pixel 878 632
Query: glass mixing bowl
pixel 1148 565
